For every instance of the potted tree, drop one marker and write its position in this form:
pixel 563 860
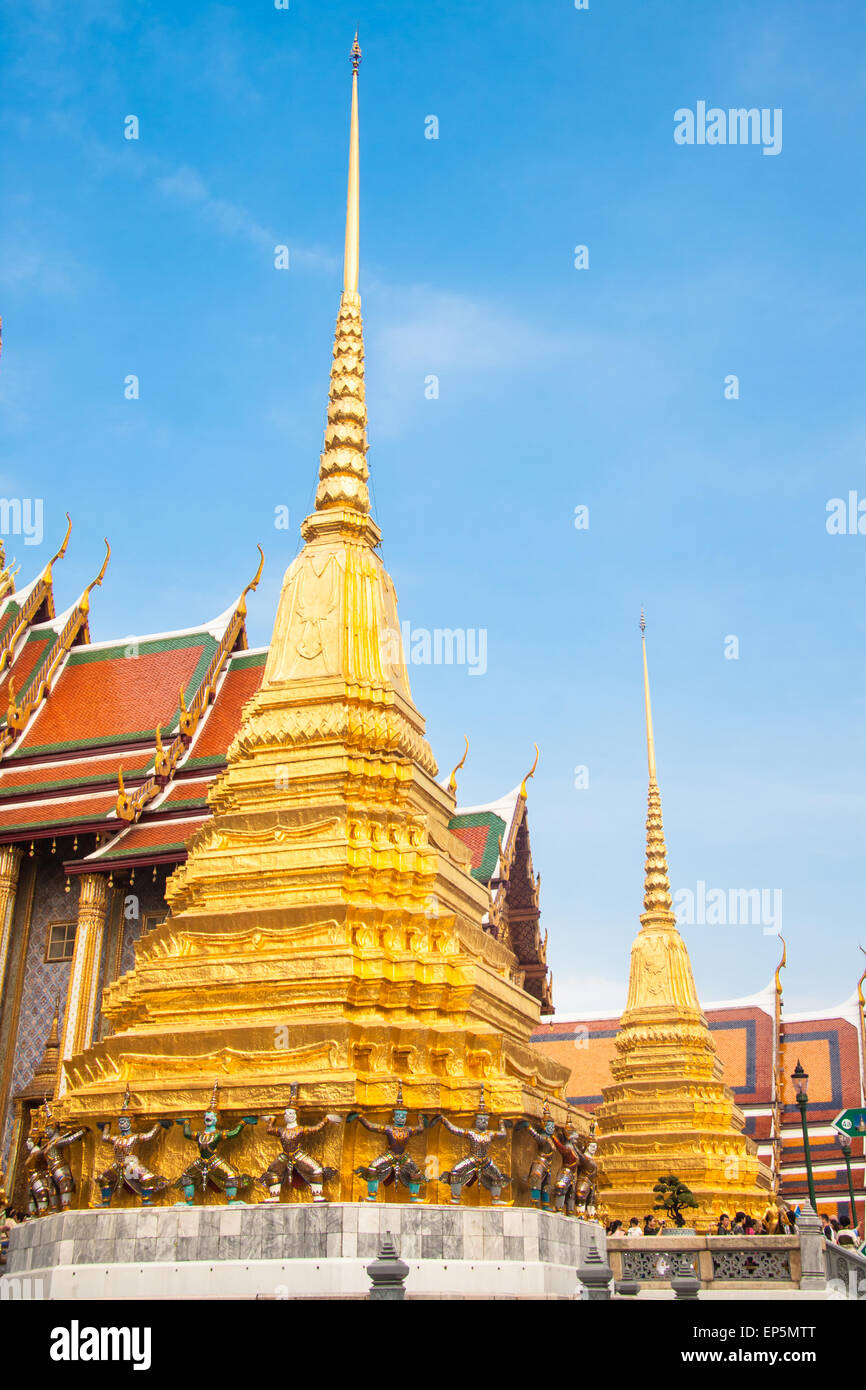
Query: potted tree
pixel 673 1198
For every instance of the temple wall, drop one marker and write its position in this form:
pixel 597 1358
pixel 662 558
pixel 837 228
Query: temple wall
pixel 33 983
pixel 42 980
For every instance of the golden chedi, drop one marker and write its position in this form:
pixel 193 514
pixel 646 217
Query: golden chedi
pixel 668 1109
pixel 325 930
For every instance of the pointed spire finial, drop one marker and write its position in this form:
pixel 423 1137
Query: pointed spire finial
pixel 343 470
pixel 650 742
pixel 657 889
pixel 350 263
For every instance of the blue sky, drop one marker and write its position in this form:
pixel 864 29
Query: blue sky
pixel 558 387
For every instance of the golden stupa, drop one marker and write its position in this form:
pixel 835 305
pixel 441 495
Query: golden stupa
pixel 668 1109
pixel 325 929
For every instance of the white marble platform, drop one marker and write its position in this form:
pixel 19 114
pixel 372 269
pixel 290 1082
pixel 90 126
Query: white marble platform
pixel 295 1250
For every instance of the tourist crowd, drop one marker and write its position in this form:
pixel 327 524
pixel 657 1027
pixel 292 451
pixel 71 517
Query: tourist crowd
pixel 781 1222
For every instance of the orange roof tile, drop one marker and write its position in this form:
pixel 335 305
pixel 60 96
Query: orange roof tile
pixel 71 773
pixel 28 657
pixel 240 683
pixel 192 792
pixel 104 695
pixel 150 840
pixel 37 815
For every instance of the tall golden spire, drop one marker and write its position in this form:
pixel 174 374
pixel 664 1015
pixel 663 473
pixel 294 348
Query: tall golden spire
pixel 667 1109
pixel 353 221
pixel 343 470
pixel 657 901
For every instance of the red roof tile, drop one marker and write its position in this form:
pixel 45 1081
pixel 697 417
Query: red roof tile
pixel 481 832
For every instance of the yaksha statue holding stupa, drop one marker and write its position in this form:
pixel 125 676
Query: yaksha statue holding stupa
pixel 394 1164
pixel 128 1170
pixel 293 1166
pixel 305 901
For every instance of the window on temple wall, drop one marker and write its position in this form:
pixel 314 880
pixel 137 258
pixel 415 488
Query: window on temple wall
pixel 60 941
pixel 150 920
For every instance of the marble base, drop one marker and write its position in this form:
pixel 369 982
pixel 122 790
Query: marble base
pixel 295 1250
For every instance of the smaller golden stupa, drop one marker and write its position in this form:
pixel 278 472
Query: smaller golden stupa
pixel 668 1109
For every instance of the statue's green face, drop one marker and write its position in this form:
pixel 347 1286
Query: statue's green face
pixel 210 1120
pixel 482 1121
pixel 400 1117
pixel 549 1126
pixel 124 1124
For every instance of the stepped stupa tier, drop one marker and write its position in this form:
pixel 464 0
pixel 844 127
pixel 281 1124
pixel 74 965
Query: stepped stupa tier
pixel 668 1109
pixel 329 927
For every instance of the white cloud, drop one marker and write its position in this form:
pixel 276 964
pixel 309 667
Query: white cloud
pixel 187 186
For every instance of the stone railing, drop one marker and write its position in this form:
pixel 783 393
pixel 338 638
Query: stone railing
pixel 718 1261
pixel 846 1272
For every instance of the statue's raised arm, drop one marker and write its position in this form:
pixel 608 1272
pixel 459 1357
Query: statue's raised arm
pixel 452 1129
pixel 367 1124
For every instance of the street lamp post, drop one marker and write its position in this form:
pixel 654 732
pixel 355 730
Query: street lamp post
pixel 845 1146
pixel 800 1078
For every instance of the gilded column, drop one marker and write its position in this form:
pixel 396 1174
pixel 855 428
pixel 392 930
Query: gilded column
pixel 84 973
pixel 10 865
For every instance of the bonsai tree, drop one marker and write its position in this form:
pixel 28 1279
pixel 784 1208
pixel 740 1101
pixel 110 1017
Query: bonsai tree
pixel 673 1198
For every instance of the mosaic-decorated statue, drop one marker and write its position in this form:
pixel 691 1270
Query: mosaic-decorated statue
pixel 395 1164
pixel 539 1173
pixel 38 1176
pixel 55 1144
pixel 293 1165
pixel 128 1170
pixel 210 1167
pixel 477 1166
pixel 575 1186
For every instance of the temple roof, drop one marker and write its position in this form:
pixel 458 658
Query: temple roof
pixel 95 736
pixel 482 828
pixel 113 693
